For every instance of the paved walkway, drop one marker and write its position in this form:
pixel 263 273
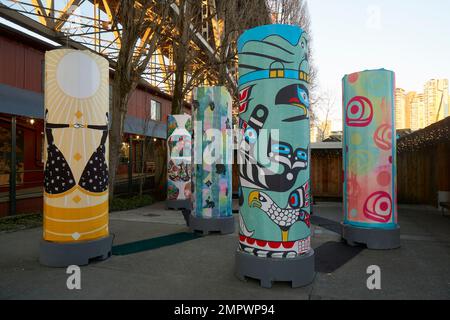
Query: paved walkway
pixel 203 268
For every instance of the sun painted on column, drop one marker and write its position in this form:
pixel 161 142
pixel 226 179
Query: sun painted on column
pixel 273 151
pixel 369 150
pixel 76 134
pixel 212 153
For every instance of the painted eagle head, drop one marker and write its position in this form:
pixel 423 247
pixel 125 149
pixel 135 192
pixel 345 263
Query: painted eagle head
pixel 284 218
pixel 260 200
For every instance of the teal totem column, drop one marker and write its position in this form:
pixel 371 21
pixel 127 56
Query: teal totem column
pixel 369 151
pixel 274 237
pixel 212 161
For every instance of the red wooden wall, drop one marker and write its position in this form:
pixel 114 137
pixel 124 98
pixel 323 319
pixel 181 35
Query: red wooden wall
pixel 20 65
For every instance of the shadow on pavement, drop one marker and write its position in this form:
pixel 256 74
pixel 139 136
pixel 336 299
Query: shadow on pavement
pixel 332 255
pixel 153 243
pixel 326 223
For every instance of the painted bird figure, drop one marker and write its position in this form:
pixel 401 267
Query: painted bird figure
pixel 284 218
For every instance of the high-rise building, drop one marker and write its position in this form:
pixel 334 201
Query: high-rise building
pixel 400 102
pixel 408 106
pixel 418 112
pixel 415 111
pixel 436 100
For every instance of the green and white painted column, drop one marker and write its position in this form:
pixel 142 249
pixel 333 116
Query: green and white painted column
pixel 212 161
pixel 274 164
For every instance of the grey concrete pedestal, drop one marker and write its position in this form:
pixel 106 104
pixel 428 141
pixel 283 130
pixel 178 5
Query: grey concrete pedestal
pixel 299 271
pixel 377 239
pixel 178 204
pixel 53 254
pixel 222 225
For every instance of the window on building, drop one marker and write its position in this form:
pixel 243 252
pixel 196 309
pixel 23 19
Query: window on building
pixel 124 153
pixel 5 154
pixel 155 110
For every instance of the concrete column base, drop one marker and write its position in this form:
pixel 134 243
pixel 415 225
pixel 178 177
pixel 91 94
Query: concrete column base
pixel 376 239
pixel 54 254
pixel 178 204
pixel 299 271
pixel 222 225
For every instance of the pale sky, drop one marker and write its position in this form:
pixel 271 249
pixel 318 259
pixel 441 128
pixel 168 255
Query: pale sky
pixel 409 37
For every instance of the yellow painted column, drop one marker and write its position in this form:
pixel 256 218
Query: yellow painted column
pixel 76 140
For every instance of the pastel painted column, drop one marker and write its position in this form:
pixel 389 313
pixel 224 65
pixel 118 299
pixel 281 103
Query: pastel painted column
pixel 179 153
pixel 76 158
pixel 369 152
pixel 273 156
pixel 212 161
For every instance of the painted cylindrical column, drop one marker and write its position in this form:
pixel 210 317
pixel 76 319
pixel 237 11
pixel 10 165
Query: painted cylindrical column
pixel 212 161
pixel 179 128
pixel 76 157
pixel 369 160
pixel 274 156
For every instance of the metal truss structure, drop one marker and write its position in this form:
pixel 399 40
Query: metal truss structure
pixel 91 24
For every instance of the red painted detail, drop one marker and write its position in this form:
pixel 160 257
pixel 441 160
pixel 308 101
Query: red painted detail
pixel 274 245
pixel 288 245
pixel 261 243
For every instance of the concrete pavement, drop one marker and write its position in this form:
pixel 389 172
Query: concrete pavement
pixel 203 268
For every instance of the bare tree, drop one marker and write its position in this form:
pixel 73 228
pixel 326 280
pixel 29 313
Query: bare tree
pixel 184 53
pixel 325 105
pixel 160 152
pixel 193 65
pixel 136 48
pixel 296 12
pixel 233 18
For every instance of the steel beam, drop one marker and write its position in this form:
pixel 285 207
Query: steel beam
pixel 70 7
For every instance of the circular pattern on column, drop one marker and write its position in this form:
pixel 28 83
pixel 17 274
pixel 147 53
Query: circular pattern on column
pixel 384 178
pixel 383 137
pixel 360 161
pixel 352 78
pixel 78 75
pixel 378 207
pixel 359 112
pixel 356 139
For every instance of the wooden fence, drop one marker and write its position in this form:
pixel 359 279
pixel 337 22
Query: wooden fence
pixel 422 173
pixel 326 173
pixel 423 167
pixel 423 164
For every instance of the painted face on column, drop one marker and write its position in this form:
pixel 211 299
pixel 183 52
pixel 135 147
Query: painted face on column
pixel 274 122
pixel 268 162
